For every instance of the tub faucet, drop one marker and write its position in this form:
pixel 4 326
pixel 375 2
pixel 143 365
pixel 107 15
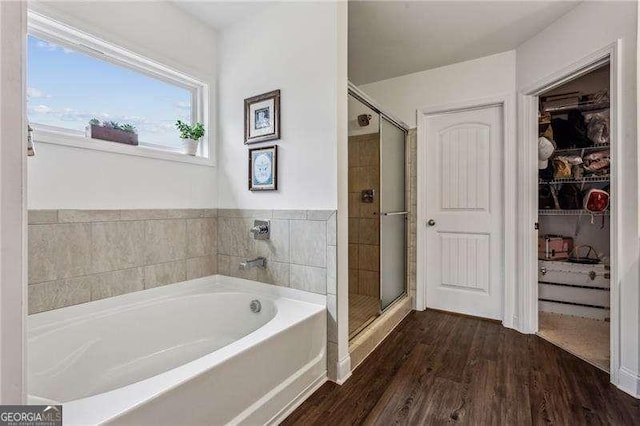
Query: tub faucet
pixel 257 262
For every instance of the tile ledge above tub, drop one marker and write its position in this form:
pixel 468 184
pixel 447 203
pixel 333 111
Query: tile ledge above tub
pixel 49 216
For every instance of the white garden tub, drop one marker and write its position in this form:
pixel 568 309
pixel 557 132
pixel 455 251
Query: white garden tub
pixel 188 353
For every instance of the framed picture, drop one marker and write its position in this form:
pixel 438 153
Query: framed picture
pixel 262 118
pixel 263 168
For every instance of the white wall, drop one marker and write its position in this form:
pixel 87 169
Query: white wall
pixel 587 28
pixel 291 47
pixel 65 177
pixel 477 78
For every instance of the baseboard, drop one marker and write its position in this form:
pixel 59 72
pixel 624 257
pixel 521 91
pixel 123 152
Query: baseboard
pixel 344 370
pixel 298 400
pixel 629 382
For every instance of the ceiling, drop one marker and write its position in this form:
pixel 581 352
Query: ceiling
pixel 222 14
pixel 393 38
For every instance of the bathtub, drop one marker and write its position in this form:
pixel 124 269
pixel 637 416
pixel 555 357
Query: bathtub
pixel 187 353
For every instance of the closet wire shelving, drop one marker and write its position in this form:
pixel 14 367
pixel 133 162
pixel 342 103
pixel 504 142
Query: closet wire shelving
pixel 586 179
pixel 576 212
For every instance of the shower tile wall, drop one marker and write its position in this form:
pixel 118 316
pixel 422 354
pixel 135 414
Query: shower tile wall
pixel 76 256
pixel 300 252
pixel 364 221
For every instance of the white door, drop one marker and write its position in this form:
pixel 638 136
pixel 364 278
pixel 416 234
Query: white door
pixel 463 209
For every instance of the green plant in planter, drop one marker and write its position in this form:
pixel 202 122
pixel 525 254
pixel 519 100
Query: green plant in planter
pixel 94 122
pixel 195 131
pixel 111 124
pixel 128 128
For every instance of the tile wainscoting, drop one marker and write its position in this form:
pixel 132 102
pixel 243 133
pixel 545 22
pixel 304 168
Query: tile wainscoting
pixel 76 256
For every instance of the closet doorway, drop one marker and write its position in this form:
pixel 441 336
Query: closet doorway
pixel 575 253
pixel 377 213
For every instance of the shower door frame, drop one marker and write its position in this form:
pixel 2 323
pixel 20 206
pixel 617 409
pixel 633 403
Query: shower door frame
pixel 373 105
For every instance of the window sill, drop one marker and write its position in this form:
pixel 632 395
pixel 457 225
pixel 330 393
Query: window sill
pixel 53 137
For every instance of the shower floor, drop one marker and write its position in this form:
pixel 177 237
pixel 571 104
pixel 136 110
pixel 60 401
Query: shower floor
pixel 586 338
pixel 362 310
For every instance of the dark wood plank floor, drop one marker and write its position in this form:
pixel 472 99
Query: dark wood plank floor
pixel 438 368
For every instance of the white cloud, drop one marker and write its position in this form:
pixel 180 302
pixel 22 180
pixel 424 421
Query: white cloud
pixel 51 47
pixel 41 109
pixel 183 105
pixel 33 93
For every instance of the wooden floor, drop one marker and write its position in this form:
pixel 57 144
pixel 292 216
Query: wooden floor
pixel 438 368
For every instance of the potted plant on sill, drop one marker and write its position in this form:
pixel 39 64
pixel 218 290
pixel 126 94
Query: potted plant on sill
pixel 190 135
pixel 112 131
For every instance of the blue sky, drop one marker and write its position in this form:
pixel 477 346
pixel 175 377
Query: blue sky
pixel 66 89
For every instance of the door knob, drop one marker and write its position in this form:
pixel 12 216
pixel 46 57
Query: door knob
pixel 431 222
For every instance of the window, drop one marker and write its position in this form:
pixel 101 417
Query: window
pixel 73 78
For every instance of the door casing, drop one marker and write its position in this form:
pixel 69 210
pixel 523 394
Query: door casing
pixel 528 178
pixel 509 187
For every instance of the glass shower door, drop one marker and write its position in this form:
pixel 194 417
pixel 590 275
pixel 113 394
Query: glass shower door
pixel 393 213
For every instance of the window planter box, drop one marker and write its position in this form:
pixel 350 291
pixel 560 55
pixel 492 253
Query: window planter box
pixel 112 135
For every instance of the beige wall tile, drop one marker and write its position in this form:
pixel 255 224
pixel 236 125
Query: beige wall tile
pixel 184 213
pixel 42 253
pixel 368 257
pixel 165 240
pixel 165 273
pixel 369 283
pixel 88 215
pixel 308 278
pixel 353 281
pixel 354 230
pixel 202 236
pixel 308 242
pixel 323 215
pixel 290 214
pixel 276 248
pixel 275 273
pixel 144 214
pixel 202 266
pixel 370 151
pixel 234 237
pixel 42 216
pixel 73 249
pixel 354 204
pixel 223 264
pixel 353 180
pixel 332 318
pixel 353 256
pixel 117 245
pixel 115 283
pixel 246 213
pixel 332 230
pixel 332 267
pixel 370 210
pixel 354 152
pixel 367 177
pixel 57 294
pixel 369 231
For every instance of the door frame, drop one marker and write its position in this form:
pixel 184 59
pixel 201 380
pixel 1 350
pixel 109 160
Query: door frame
pixel 509 190
pixel 13 213
pixel 528 196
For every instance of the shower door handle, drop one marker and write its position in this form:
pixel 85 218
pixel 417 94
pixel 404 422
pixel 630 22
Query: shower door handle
pixel 393 213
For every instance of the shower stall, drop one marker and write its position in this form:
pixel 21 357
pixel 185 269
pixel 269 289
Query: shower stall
pixel 377 212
